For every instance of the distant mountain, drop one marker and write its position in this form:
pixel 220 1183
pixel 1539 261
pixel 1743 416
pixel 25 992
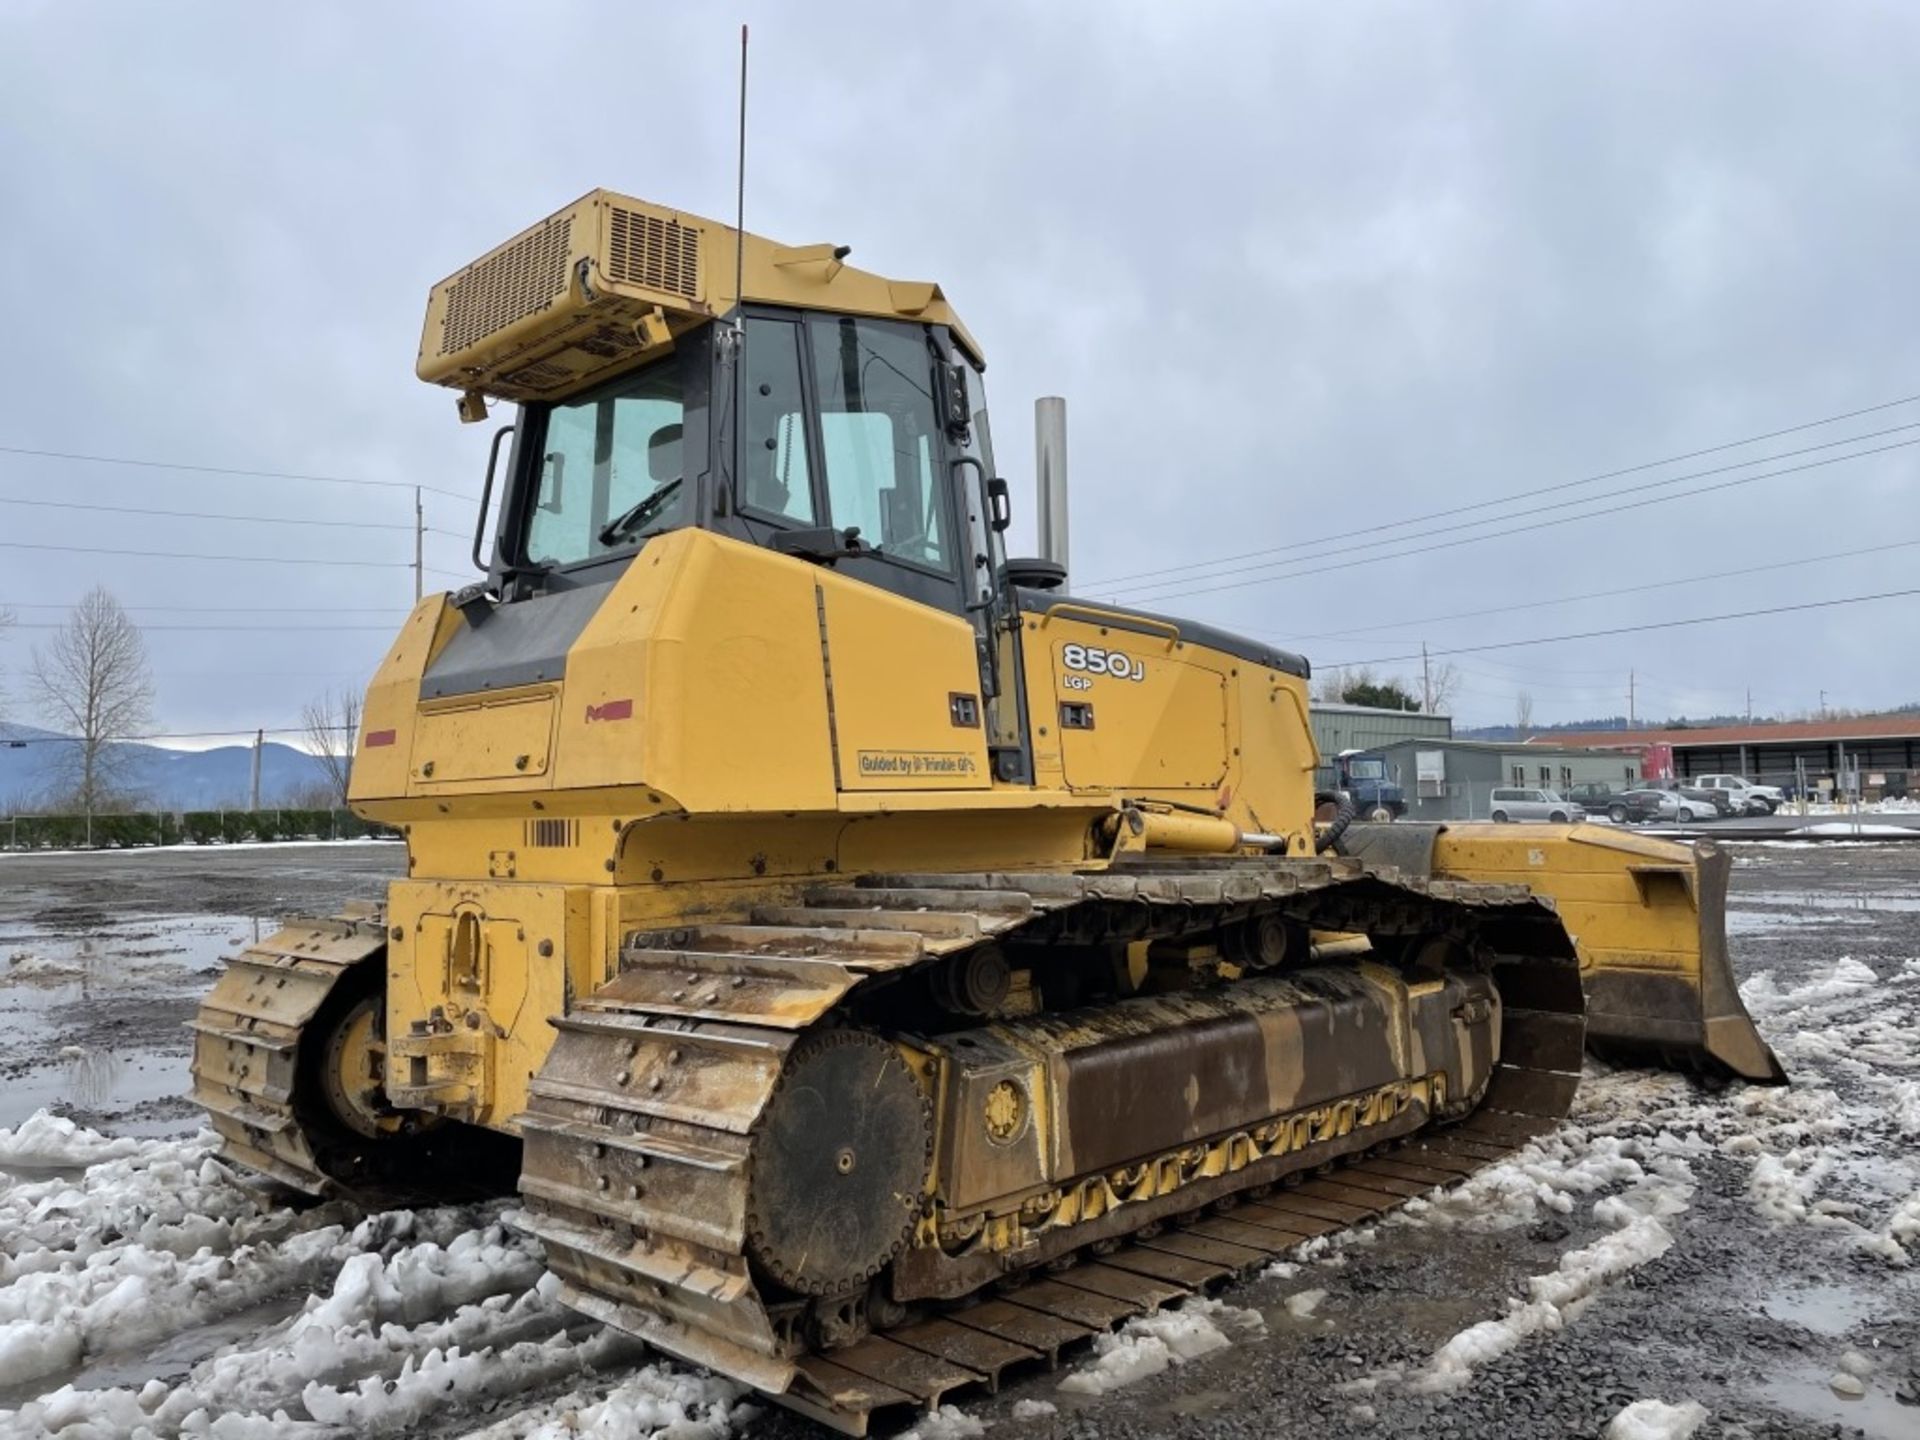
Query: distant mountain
pixel 163 779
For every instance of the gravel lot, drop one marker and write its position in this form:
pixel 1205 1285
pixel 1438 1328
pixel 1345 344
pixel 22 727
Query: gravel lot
pixel 1743 1251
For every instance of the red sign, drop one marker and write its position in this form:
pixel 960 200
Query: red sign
pixel 377 738
pixel 612 710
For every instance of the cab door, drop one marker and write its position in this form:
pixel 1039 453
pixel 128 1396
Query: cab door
pixel 918 688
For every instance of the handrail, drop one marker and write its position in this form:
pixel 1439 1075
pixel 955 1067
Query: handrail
pixel 1126 618
pixel 486 498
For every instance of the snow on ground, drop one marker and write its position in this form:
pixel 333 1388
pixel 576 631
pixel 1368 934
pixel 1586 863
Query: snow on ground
pixel 382 1316
pixel 1850 827
pixel 1150 1344
pixel 1657 1420
pixel 1813 1159
pixel 949 1422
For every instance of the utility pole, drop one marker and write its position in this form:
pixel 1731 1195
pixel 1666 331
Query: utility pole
pixel 1823 704
pixel 259 738
pixel 1749 705
pixel 1630 715
pixel 419 547
pixel 1426 681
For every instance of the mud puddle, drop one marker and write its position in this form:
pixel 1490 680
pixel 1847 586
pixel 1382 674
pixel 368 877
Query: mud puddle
pixel 93 1010
pixel 1876 1414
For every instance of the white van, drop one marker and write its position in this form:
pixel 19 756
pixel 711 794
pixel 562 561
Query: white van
pixel 1517 804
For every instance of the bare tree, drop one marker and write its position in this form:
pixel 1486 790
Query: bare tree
pixel 1443 683
pixel 92 679
pixel 332 722
pixel 6 622
pixel 1523 713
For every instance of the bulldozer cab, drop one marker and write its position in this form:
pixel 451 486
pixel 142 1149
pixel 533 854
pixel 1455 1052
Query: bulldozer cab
pixel 862 443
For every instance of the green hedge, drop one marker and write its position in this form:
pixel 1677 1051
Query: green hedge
pixel 195 827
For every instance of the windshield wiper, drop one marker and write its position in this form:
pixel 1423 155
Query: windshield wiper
pixel 639 514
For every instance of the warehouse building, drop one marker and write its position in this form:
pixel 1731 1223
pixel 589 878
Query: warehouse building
pixel 1447 779
pixel 1367 727
pixel 1869 756
pixel 1338 728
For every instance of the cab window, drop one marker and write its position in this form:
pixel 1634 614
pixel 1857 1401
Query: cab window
pixel 775 478
pixel 879 438
pixel 609 469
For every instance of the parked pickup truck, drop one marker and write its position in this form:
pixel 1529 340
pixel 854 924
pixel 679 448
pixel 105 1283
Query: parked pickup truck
pixel 1747 798
pixel 1623 807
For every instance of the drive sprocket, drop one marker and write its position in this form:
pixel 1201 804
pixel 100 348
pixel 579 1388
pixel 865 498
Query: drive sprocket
pixel 840 1160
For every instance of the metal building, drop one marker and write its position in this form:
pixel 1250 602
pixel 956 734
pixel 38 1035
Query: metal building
pixel 1869 756
pixel 1448 779
pixel 1365 727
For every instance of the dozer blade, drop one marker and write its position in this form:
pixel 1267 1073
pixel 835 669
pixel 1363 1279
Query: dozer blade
pixel 1649 917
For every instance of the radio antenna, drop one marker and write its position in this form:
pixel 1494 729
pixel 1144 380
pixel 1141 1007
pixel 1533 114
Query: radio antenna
pixel 740 197
pixel 739 272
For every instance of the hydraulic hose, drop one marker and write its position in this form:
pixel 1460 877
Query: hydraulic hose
pixel 1343 815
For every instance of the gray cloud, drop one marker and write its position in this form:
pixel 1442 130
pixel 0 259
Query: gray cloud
pixel 1297 269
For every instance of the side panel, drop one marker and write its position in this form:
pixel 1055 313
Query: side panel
pixel 701 677
pixel 1134 712
pixel 905 692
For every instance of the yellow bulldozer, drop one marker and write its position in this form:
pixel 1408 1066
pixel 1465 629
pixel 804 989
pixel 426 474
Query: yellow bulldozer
pixel 880 967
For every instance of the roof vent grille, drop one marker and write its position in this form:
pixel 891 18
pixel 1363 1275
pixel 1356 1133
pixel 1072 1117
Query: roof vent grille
pixel 653 252
pixel 521 280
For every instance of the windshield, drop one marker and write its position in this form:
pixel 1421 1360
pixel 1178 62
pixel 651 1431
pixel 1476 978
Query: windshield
pixel 1367 769
pixel 608 457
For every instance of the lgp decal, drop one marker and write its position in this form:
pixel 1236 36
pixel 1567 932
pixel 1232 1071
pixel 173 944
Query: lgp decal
pixel 1089 660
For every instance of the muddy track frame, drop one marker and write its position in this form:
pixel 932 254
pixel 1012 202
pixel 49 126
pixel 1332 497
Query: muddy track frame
pixel 639 1139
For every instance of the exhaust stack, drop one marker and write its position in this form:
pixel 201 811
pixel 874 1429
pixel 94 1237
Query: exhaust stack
pixel 1050 476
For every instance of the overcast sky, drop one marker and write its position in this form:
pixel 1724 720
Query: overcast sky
pixel 1299 270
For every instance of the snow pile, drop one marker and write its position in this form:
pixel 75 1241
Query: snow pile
pixel 403 1308
pixel 1656 1420
pixel 1846 977
pixel 1553 1173
pixel 1302 1305
pixel 1033 1409
pixel 25 965
pixel 1554 1298
pixel 948 1422
pixel 1850 827
pixel 1152 1343
pixel 48 1141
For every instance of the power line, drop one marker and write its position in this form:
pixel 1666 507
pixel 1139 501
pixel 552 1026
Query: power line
pixel 209 515
pixel 185 555
pixel 1530 494
pixel 1622 590
pixel 252 609
pixel 227 470
pixel 1633 629
pixel 245 629
pixel 1376 558
pixel 1559 505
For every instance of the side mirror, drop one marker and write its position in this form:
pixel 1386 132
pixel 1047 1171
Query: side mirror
pixel 999 504
pixel 956 407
